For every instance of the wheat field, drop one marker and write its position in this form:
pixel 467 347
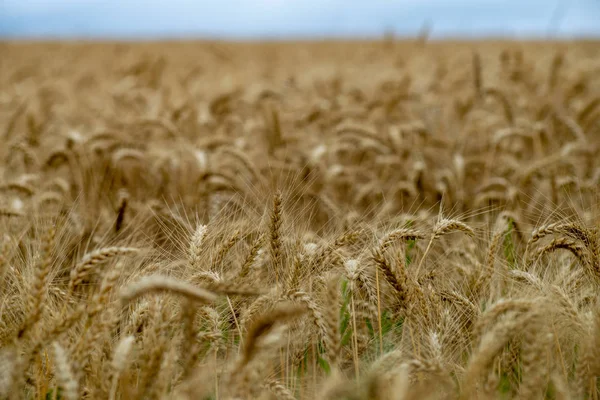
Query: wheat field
pixel 395 219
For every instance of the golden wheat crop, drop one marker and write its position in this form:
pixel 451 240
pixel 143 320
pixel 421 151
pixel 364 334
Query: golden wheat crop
pixel 350 220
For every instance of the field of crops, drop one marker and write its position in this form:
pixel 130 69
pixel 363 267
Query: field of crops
pixel 350 220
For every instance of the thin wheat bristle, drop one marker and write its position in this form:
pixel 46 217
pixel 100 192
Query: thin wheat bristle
pixel 331 317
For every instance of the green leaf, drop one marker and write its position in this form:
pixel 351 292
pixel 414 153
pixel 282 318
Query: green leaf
pixel 50 394
pixel 346 336
pixel 370 327
pixel 324 365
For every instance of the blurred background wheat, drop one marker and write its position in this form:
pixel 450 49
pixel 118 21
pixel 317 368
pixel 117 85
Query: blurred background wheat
pixel 409 211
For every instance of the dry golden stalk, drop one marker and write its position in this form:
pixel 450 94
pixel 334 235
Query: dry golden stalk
pixel 331 318
pixel 535 365
pixel 155 343
pixel 65 374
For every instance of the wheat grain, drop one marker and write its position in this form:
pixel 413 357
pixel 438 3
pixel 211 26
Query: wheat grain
pixel 91 260
pixel 38 294
pixel 158 283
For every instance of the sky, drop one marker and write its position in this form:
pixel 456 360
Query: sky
pixel 259 19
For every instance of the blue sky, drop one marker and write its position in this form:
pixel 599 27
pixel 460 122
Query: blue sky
pixel 296 18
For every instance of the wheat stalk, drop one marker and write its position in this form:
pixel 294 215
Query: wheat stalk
pixel 65 374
